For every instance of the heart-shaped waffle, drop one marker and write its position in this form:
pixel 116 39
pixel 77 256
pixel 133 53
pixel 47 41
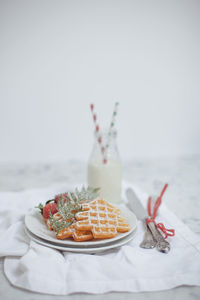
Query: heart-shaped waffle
pixel 102 218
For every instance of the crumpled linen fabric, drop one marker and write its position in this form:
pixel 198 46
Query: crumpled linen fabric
pixel 31 266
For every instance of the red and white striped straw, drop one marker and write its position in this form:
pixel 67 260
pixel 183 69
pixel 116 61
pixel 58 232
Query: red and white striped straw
pixel 112 124
pixel 98 133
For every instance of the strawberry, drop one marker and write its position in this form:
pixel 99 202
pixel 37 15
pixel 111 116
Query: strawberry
pixel 60 196
pixel 50 207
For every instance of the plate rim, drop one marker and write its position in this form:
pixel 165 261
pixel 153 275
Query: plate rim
pixel 97 249
pixel 74 245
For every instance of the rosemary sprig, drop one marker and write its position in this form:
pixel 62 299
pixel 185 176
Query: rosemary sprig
pixel 67 208
pixel 87 194
pixel 69 204
pixel 59 224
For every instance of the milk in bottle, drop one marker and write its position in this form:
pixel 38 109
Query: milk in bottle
pixel 107 176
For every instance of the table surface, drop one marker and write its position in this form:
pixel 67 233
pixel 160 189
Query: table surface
pixel 182 175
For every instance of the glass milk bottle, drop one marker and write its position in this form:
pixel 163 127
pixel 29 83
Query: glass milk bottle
pixel 107 176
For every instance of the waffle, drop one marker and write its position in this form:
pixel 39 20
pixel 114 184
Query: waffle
pixel 102 219
pixel 71 231
pixel 77 235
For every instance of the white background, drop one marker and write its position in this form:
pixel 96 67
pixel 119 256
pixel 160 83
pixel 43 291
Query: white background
pixel 56 57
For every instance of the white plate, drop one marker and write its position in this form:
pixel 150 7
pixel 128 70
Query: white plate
pixel 35 224
pixel 89 250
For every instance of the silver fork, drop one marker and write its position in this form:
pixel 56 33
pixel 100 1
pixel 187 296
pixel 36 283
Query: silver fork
pixel 162 245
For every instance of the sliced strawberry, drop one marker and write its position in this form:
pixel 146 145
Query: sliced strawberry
pixel 50 207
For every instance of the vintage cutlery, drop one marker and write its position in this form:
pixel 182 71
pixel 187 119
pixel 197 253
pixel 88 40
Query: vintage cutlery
pixel 148 241
pixel 158 240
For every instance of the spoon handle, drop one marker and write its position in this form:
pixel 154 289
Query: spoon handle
pixel 162 245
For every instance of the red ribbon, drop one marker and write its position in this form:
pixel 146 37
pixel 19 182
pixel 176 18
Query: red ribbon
pixel 167 232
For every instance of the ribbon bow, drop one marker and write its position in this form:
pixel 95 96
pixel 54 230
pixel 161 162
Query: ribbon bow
pixel 167 232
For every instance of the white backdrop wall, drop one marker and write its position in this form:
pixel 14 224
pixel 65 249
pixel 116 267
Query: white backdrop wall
pixel 56 57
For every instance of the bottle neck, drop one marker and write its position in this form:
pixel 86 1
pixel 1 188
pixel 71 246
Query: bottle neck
pixel 109 144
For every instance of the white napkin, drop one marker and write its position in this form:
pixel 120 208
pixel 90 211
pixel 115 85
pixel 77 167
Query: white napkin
pixel 130 268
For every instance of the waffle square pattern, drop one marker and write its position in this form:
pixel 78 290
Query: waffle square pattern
pixel 102 219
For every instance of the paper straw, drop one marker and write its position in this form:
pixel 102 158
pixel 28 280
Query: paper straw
pixel 98 134
pixel 112 124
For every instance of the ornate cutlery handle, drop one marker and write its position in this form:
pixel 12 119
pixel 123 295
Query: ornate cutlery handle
pixel 148 241
pixel 162 244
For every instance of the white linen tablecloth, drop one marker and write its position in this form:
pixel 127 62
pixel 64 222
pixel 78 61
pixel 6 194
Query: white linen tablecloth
pixel 130 268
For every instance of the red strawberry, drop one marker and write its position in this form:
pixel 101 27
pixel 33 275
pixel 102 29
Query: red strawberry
pixel 50 207
pixel 60 196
